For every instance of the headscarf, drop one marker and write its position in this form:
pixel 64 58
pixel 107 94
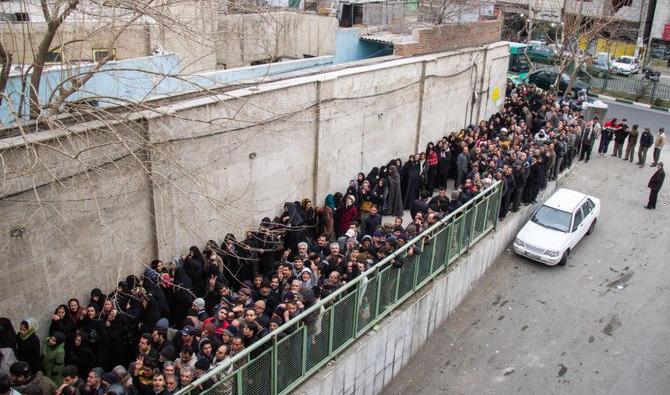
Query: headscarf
pixel 330 201
pixel 394 177
pixel 31 323
pixel 7 334
pixel 309 283
pixel 372 176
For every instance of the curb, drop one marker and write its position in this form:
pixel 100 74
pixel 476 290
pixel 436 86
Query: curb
pixel 635 104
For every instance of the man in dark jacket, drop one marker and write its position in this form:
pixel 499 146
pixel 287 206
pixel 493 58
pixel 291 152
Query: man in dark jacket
pixel 646 140
pixel 520 173
pixel 632 141
pixel 370 224
pixel 620 134
pixel 655 184
pixel 462 165
pixel 587 138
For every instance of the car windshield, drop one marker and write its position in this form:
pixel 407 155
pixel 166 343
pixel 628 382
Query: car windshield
pixel 565 77
pixel 552 218
pixel 624 60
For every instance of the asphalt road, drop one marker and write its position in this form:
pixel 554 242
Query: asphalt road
pixel 600 325
pixel 652 119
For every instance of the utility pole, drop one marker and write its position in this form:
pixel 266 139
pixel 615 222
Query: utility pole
pixel 639 43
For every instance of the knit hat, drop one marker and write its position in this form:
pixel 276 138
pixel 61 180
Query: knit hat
pixel 202 363
pixel 20 368
pixel 168 353
pixel 199 303
pixel 59 337
pixel 230 331
pixel 288 296
pixel 110 377
pixel 163 323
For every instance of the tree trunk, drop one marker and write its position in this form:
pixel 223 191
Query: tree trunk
pixel 38 67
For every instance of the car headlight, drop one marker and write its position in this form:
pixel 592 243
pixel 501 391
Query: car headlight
pixel 519 242
pixel 552 253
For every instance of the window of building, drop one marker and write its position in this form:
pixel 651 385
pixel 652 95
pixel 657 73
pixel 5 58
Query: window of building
pixel 100 54
pixel 618 4
pixel 22 16
pixel 55 56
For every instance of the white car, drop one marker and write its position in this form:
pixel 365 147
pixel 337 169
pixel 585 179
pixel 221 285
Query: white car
pixel 557 226
pixel 626 65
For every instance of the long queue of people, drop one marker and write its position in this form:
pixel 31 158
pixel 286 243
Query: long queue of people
pixel 157 332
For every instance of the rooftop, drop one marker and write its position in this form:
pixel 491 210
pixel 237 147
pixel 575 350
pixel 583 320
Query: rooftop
pixel 565 199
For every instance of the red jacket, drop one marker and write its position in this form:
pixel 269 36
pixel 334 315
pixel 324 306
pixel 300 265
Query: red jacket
pixel 432 158
pixel 348 216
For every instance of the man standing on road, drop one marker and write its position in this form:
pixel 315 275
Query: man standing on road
pixel 646 140
pixel 632 142
pixel 606 136
pixel 620 134
pixel 655 184
pixel 658 146
pixel 589 136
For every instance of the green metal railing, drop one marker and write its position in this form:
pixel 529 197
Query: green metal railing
pixel 283 359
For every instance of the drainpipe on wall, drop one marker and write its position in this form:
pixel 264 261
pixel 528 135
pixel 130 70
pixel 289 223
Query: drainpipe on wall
pixel 419 114
pixel 317 132
pixel 481 86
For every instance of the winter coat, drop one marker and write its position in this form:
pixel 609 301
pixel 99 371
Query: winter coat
pixel 348 216
pixel 656 181
pixel 39 385
pixel 53 359
pixel 82 357
pixel 394 199
pixel 646 139
pixel 28 350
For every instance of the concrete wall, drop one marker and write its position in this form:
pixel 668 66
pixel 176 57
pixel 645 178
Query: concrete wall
pixel 218 164
pixel 245 161
pixel 369 364
pixel 245 38
pixel 83 231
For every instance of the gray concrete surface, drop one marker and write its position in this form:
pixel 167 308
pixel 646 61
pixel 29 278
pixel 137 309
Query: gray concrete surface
pixel 598 326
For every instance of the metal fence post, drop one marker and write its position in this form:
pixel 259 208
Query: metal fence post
pixel 450 227
pixel 653 91
pixel 274 365
pixel 432 255
pixel 497 207
pixel 356 309
pixel 330 332
pixel 304 350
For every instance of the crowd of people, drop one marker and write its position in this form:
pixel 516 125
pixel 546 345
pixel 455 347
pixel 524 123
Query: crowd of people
pixel 156 333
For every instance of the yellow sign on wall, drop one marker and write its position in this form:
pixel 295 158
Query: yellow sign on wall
pixel 614 48
pixel 495 95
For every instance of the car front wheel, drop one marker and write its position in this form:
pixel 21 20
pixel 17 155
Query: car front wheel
pixel 564 258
